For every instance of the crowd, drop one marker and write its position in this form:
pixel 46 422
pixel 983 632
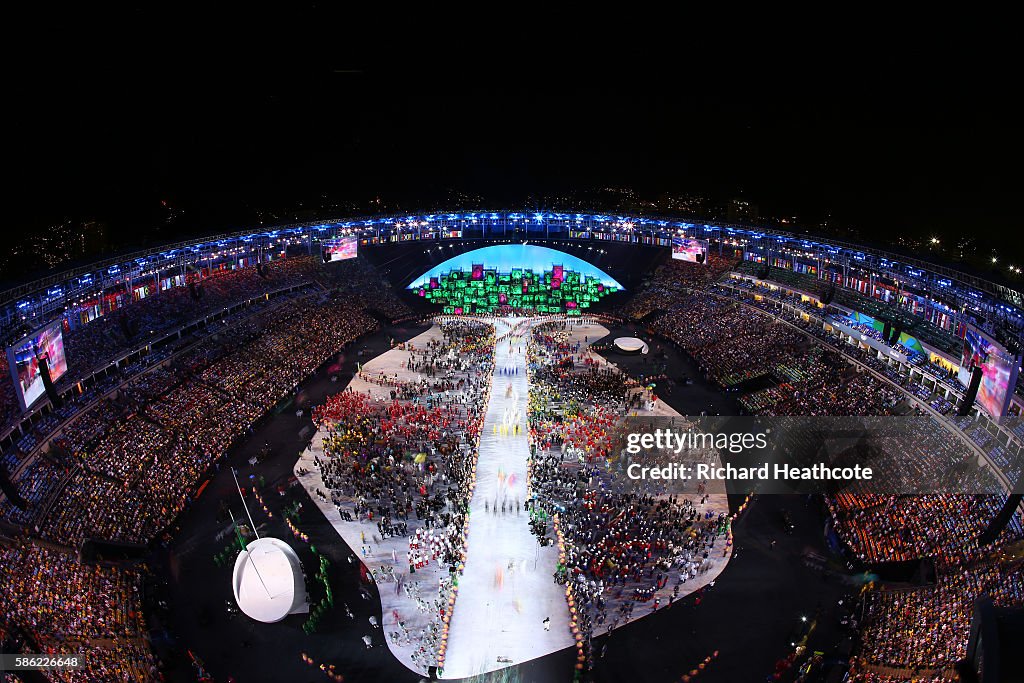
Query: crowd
pixel 926 629
pixel 127 322
pixel 56 604
pixel 621 549
pixel 932 393
pixel 365 287
pixel 125 464
pixel 672 279
pixel 900 528
pixel 405 461
pixel 733 345
pixel 918 635
pixel 136 460
pixel 92 432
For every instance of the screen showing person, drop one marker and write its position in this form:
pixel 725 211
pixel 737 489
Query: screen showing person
pixel 998 368
pixel 341 249
pixel 686 249
pixel 45 345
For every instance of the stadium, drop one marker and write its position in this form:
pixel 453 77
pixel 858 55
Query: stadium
pixel 393 447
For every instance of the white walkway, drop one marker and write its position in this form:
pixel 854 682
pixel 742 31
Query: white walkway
pixel 507 589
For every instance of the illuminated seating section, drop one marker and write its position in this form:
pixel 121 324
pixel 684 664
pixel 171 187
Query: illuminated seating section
pixel 671 278
pixel 64 606
pixel 930 628
pixel 924 331
pixel 126 467
pixel 917 635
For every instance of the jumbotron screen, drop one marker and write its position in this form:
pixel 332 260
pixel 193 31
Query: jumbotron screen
pixel 686 249
pixel 998 367
pixel 24 357
pixel 341 249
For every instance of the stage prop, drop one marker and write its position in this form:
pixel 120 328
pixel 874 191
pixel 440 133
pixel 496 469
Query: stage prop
pixel 267 581
pixel 631 345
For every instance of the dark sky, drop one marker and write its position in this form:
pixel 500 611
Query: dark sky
pixel 113 119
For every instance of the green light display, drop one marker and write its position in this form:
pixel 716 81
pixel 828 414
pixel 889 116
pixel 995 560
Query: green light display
pixel 485 290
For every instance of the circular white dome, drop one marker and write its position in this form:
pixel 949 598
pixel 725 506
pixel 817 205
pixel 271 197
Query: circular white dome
pixel 267 581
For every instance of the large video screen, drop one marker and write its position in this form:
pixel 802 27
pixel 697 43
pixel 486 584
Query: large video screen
pixel 24 358
pixel 998 367
pixel 341 249
pixel 686 249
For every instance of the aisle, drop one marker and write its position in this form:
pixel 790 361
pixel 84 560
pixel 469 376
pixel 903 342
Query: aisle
pixel 507 589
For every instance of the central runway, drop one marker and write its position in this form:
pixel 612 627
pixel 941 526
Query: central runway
pixel 507 590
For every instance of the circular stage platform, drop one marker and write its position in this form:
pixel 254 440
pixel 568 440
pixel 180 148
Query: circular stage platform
pixel 630 345
pixel 267 581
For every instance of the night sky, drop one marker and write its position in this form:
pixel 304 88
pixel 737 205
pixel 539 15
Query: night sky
pixel 232 126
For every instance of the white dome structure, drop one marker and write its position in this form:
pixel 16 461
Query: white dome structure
pixel 267 581
pixel 630 345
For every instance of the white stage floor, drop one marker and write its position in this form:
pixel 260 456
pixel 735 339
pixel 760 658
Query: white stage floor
pixel 507 589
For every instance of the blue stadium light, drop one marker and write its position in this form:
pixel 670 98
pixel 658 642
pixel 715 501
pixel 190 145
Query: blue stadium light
pixel 23 304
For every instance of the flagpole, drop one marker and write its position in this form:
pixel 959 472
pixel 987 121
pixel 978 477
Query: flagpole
pixel 249 555
pixel 247 514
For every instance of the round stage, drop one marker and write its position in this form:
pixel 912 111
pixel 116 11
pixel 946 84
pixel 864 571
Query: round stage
pixel 630 345
pixel 267 581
